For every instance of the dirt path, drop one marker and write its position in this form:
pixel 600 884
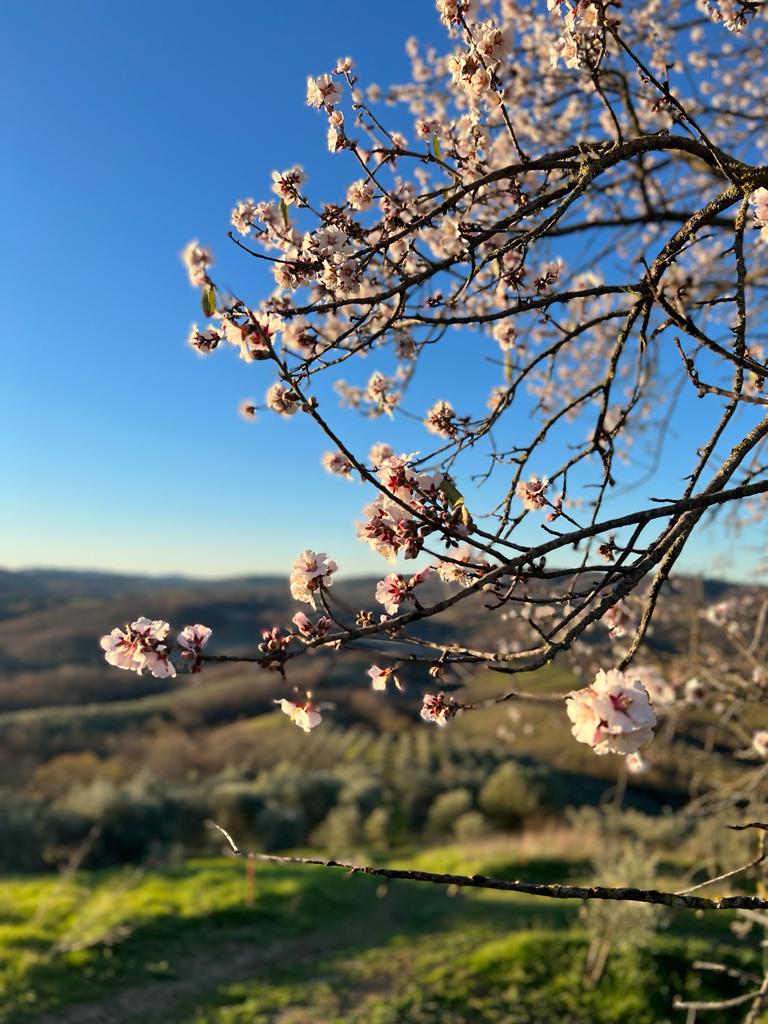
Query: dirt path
pixel 198 974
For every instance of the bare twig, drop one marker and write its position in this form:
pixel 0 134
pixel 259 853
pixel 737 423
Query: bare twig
pixel 553 890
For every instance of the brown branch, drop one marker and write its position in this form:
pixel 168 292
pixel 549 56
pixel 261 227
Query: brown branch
pixel 736 871
pixel 550 890
pixel 721 1004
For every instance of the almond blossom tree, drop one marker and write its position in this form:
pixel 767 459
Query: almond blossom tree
pixel 575 197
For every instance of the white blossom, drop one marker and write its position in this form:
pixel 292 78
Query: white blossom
pixel 613 714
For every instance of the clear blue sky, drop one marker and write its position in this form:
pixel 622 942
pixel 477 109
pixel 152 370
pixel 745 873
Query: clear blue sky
pixel 130 129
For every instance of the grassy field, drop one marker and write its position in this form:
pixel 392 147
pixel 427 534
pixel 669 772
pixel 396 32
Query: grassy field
pixel 197 945
pixel 118 773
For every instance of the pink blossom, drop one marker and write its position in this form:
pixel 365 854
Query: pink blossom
pixel 659 689
pixel 197 260
pixel 360 194
pixel 636 764
pixel 457 571
pixel 121 649
pixel 380 677
pixel 613 715
pixel 244 215
pixel 390 530
pixel 760 202
pixel 428 128
pixel 305 715
pixel 585 13
pixel 192 638
pixel 404 482
pixel 300 338
pixel 565 49
pixel 436 709
pixel 395 590
pixel 549 275
pixel 382 392
pixel 141 645
pixel 452 12
pixel 440 419
pixel 618 619
pixel 532 493
pixel 694 691
pixel 760 743
pixel 205 341
pixel 342 275
pixel 336 138
pixel 309 630
pixel 732 14
pixel 322 91
pixel 310 572
pixel 338 464
pixel 506 336
pixel 282 400
pixel 492 42
pixel 303 623
pixel 467 72
pixel 253 336
pixel 378 453
pixel 391 592
pixel 721 613
pixel 286 184
pixel 497 398
pixel 151 629
pixel 158 662
pixel 154 654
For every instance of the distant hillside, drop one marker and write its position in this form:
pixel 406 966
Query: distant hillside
pixel 146 761
pixel 51 622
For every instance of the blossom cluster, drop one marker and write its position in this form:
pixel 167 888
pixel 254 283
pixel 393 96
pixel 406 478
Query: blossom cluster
pixel 395 590
pixel 438 709
pixel 395 518
pixel 445 224
pixel 578 19
pixel 143 645
pixel 532 493
pixel 310 572
pixel 252 333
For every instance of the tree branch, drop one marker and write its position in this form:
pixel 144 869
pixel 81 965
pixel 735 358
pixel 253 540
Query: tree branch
pixel 550 890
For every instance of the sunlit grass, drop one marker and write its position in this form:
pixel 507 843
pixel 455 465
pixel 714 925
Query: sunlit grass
pixel 190 945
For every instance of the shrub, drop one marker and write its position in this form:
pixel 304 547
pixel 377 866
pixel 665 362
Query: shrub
pixel 512 793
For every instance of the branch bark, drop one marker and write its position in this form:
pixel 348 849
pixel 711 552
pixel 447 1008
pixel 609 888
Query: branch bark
pixel 550 890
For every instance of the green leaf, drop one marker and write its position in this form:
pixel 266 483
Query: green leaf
pixel 284 211
pixel 451 493
pixel 209 299
pixel 436 147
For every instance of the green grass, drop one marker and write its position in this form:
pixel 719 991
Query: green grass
pixel 324 947
pixel 532 976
